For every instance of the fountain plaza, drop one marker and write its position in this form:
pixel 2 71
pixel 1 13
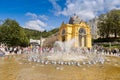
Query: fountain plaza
pixel 62 62
pixel 71 58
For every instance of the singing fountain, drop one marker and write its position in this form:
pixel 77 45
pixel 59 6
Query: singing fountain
pixel 65 53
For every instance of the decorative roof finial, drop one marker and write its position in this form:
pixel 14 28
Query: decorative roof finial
pixel 74 14
pixel 63 22
pixel 74 19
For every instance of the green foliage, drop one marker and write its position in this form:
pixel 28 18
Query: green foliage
pixel 12 34
pixel 33 34
pixel 109 24
pixel 107 40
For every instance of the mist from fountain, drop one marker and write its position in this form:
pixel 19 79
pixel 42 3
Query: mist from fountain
pixel 64 46
pixel 65 53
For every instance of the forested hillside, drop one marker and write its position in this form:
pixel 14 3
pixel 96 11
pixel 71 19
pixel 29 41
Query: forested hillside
pixel 36 34
pixel 12 34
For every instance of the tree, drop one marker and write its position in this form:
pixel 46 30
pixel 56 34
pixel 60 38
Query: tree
pixel 114 17
pixel 12 34
pixel 103 26
pixel 109 24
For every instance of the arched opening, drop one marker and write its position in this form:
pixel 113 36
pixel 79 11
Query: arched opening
pixel 63 38
pixel 82 37
pixel 63 35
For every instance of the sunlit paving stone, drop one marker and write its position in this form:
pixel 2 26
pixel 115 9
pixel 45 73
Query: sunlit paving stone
pixel 101 71
pixel 20 63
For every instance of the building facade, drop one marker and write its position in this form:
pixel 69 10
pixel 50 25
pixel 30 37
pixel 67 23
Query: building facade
pixel 76 29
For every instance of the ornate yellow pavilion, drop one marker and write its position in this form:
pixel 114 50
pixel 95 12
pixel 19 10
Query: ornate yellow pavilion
pixel 76 29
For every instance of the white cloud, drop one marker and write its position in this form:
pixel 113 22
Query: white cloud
pixel 33 15
pixel 56 6
pixel 86 9
pixel 43 17
pixel 36 25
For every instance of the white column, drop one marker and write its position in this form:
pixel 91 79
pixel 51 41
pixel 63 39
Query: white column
pixel 82 42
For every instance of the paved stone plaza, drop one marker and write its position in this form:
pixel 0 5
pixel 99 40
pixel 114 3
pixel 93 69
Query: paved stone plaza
pixel 18 68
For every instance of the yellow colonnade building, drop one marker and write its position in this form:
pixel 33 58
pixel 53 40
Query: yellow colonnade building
pixel 78 30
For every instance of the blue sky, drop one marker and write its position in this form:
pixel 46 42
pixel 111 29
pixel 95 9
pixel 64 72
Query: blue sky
pixel 48 14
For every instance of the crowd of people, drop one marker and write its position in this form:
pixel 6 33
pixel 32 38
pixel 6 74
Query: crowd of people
pixel 11 50
pixel 37 49
pixel 107 50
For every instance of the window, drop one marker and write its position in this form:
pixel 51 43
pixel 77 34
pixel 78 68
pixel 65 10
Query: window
pixel 82 31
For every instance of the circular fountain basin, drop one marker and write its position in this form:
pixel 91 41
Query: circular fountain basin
pixel 66 57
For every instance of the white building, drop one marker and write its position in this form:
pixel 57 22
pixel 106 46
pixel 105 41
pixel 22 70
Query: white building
pixel 34 41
